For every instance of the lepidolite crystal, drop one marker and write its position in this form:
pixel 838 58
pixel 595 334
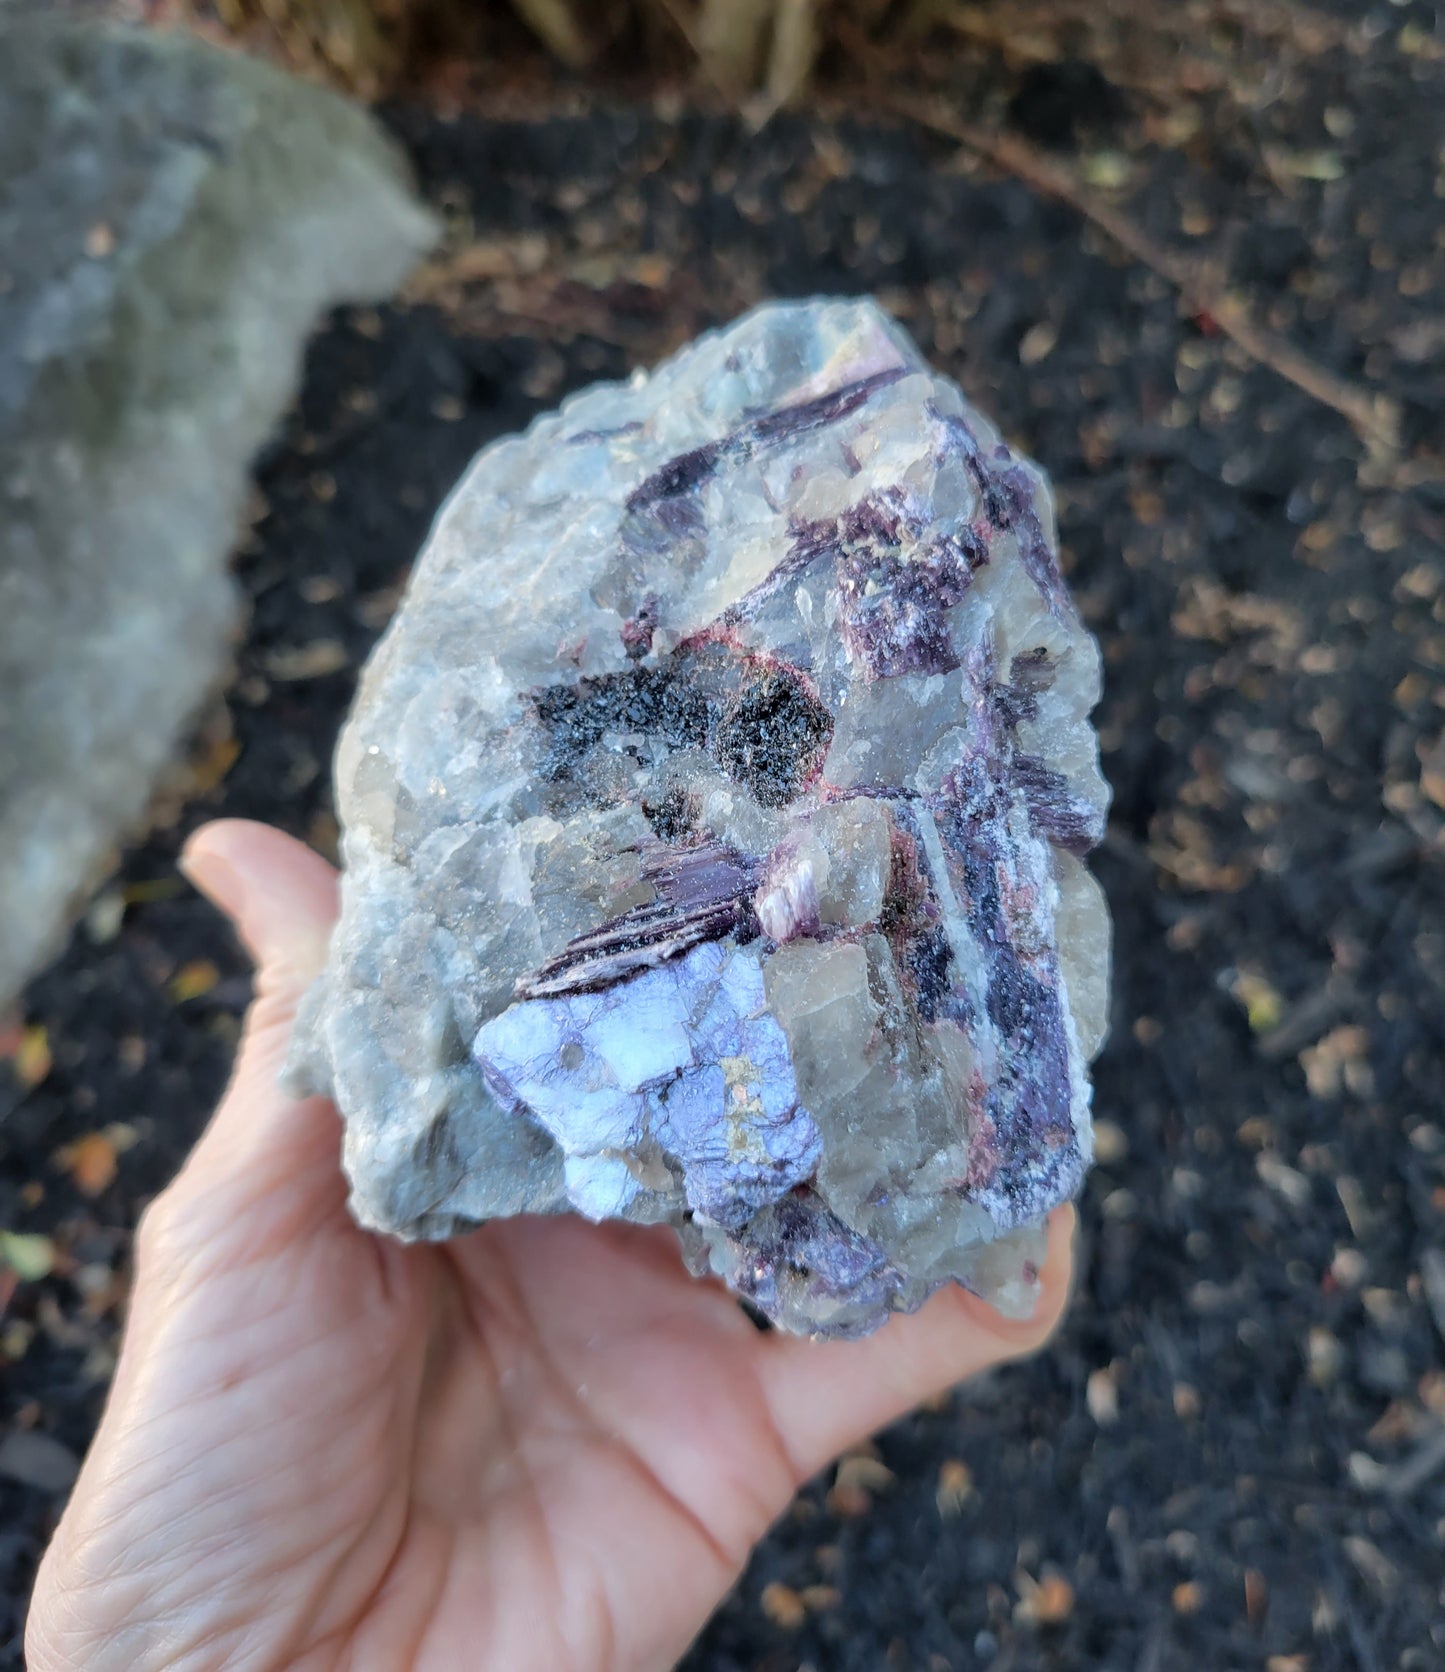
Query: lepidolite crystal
pixel 712 817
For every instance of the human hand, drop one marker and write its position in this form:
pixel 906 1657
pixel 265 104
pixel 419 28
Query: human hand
pixel 543 1445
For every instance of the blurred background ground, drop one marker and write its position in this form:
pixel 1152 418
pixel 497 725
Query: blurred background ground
pixel 1192 258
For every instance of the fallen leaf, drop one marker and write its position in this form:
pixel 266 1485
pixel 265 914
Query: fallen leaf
pixel 324 834
pixel 1045 1602
pixel 1262 1004
pixel 32 1058
pixel 955 1488
pixel 1111 1142
pixel 323 589
pixel 1324 1356
pixel 1305 165
pixel 210 767
pixel 106 914
pixel 485 258
pixel 1108 170
pixel 1432 771
pixel 859 1477
pixel 861 1470
pixel 1187 1598
pixel 147 893
pixel 849 1501
pixel 307 661
pixel 16 1337
pixel 90 1161
pixel 1038 342
pixel 193 980
pixel 783 1606
pixel 1372 1564
pixel 1187 1403
pixel 1101 1394
pixel 1284 1180
pixel 1365 1472
pixel 28 1254
pixel 1326 1064
pixel 1416 42
pixel 1056 1599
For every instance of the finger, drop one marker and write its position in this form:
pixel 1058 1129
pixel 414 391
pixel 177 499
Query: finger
pixel 282 900
pixel 825 1396
pixel 278 894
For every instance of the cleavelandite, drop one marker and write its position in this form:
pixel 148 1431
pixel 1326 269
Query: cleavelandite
pixel 713 812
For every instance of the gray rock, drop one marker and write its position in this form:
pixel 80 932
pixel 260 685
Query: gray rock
pixel 173 219
pixel 711 819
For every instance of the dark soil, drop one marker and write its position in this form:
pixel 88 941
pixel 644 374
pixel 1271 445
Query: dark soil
pixel 1215 1465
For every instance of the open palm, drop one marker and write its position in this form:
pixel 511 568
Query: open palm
pixel 542 1445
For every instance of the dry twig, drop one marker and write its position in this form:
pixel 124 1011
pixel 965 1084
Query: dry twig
pixel 1375 417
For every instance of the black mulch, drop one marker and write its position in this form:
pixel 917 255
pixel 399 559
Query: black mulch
pixel 1215 1464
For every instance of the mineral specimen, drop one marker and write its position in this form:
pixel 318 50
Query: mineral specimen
pixel 712 818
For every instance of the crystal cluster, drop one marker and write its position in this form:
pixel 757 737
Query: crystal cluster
pixel 713 813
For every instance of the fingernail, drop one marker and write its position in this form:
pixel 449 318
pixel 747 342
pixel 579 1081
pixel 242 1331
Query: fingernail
pixel 215 877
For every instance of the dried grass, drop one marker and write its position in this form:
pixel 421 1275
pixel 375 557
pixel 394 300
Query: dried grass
pixel 762 53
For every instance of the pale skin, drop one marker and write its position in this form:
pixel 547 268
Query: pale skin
pixel 543 1445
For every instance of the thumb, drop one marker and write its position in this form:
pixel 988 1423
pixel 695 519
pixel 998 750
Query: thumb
pixel 279 896
pixel 282 900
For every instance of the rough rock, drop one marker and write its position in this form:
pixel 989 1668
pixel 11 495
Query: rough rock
pixel 712 818
pixel 173 219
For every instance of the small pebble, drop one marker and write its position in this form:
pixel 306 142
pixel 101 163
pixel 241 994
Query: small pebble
pixel 1187 1598
pixel 1044 1602
pixel 1111 1143
pixel 1324 1355
pixel 1101 1394
pixel 1187 1403
pixel 955 1487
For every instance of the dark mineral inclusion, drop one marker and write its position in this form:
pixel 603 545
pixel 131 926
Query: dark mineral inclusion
pixel 713 813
